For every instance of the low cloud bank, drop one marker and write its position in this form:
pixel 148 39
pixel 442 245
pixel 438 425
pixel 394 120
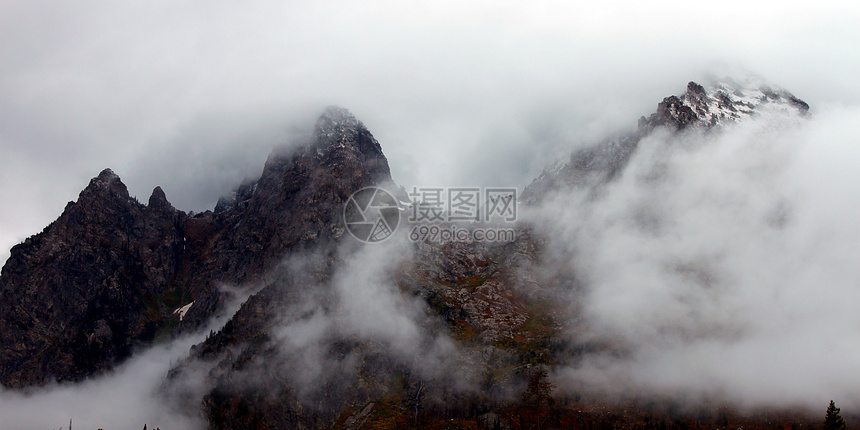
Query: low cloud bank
pixel 723 265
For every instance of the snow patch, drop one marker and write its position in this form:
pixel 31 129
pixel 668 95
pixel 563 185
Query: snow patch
pixel 182 311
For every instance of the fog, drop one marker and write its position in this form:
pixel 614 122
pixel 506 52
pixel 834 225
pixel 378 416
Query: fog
pixel 192 95
pixel 126 399
pixel 131 395
pixel 723 266
pixel 718 266
pixel 331 329
pixel 360 302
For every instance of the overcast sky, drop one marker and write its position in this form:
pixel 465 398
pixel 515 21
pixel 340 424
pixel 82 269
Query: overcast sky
pixel 192 95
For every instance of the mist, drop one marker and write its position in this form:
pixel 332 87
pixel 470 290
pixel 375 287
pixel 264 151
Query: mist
pixel 355 327
pixel 128 396
pixel 722 266
pixel 125 399
pixel 191 96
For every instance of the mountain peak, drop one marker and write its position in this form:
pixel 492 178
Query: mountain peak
pixel 158 200
pixel 107 182
pixel 720 102
pixel 694 88
pixel 336 125
pixel 337 114
pixel 339 136
pixel 108 175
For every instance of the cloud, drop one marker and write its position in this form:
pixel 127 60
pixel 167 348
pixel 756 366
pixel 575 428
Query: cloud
pixel 723 266
pixel 458 94
pixel 360 305
pixel 133 394
pixel 733 271
pixel 125 399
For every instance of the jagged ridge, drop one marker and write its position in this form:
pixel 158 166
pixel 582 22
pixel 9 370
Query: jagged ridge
pixel 720 104
pixel 107 275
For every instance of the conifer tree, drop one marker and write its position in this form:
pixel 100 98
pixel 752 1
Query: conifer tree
pixel 833 421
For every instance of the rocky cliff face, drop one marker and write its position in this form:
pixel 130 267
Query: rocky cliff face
pixel 109 273
pixel 77 297
pixel 295 206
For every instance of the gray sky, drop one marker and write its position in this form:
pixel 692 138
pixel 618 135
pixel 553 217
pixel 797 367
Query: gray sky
pixel 192 95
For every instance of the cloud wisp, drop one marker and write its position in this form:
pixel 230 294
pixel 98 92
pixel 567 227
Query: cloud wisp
pixel 723 265
pixel 190 96
pixel 129 396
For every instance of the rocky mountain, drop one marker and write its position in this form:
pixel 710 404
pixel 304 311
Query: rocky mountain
pixel 336 334
pixel 107 275
pixel 79 296
pixel 699 108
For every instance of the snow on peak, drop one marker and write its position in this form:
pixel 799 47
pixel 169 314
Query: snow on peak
pixel 731 99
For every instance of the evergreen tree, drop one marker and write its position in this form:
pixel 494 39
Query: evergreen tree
pixel 833 421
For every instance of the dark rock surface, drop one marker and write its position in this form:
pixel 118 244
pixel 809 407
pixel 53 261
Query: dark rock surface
pixel 109 272
pixel 296 205
pixel 78 297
